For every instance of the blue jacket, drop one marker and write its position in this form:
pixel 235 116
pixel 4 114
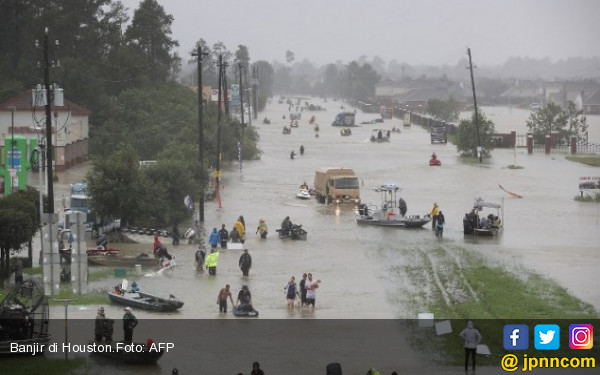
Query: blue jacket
pixel 214 238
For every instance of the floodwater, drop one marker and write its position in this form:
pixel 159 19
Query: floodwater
pixel 362 268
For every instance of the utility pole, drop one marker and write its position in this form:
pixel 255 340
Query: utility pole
pixel 218 163
pixel 200 55
pixel 240 66
pixel 225 95
pixel 49 146
pixel 479 151
pixel 248 88
pixel 255 91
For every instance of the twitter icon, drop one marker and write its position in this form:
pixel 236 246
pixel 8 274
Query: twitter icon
pixel 546 337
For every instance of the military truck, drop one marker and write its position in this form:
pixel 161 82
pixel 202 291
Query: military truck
pixel 337 185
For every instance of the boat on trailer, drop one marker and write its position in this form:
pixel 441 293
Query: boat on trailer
pixel 389 214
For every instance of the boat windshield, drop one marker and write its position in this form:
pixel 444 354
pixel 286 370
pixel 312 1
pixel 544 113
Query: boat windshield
pixel 346 183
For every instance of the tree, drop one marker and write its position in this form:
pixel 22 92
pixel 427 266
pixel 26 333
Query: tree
pixel 466 137
pixel 289 56
pixel 242 55
pixel 17 226
pixel 445 110
pixel 552 118
pixel 149 34
pixel 116 186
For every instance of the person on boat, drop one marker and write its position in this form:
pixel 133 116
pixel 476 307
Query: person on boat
pixel 129 323
pixel 214 239
pixel 379 135
pixel 234 235
pixel 199 257
pixel 245 262
pixel 244 299
pixel 485 223
pixel 118 290
pixel 262 228
pixel 292 154
pixel 291 292
pixel 286 226
pixel 240 226
pixel 102 241
pixel 134 287
pixel 433 156
pixel 301 149
pixel 211 262
pixel 467 225
pixel 157 243
pixel 222 299
pixel 402 206
pixel 304 186
pixel 441 221
pixel 388 134
pixel 434 211
pixel 224 236
pixel 496 222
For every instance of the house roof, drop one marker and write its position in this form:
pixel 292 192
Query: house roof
pixel 426 93
pixel 22 102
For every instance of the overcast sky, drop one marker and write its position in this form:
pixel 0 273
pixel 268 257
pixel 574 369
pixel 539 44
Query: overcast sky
pixel 431 32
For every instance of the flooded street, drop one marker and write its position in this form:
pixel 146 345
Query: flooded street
pixel 546 232
pixel 363 269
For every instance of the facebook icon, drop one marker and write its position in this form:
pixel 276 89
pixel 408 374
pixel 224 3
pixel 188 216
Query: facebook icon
pixel 516 337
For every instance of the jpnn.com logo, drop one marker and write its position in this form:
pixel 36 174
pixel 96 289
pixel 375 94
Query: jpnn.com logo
pixel 516 337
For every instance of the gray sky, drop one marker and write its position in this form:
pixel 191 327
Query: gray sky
pixel 431 32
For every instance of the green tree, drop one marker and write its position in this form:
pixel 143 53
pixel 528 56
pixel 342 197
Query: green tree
pixel 150 35
pixel 552 118
pixel 209 69
pixel 17 226
pixel 289 57
pixel 265 76
pixel 445 110
pixel 117 187
pixel 467 140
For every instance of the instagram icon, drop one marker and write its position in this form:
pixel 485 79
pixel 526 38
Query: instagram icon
pixel 581 336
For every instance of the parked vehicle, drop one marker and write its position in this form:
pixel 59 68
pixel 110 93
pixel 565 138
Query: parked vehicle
pixel 337 185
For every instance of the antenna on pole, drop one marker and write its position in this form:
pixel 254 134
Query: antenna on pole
pixel 479 151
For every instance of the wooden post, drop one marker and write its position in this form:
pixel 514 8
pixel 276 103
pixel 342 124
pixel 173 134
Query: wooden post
pixel 573 145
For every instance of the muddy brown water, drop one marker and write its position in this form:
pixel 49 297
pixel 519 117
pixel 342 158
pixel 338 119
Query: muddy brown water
pixel 361 268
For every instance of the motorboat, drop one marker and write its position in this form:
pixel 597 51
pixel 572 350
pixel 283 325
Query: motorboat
pixel 144 301
pixel 345 131
pixel 390 214
pixel 110 259
pixel 380 135
pixel 294 124
pixel 486 219
pixel 286 130
pixel 303 194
